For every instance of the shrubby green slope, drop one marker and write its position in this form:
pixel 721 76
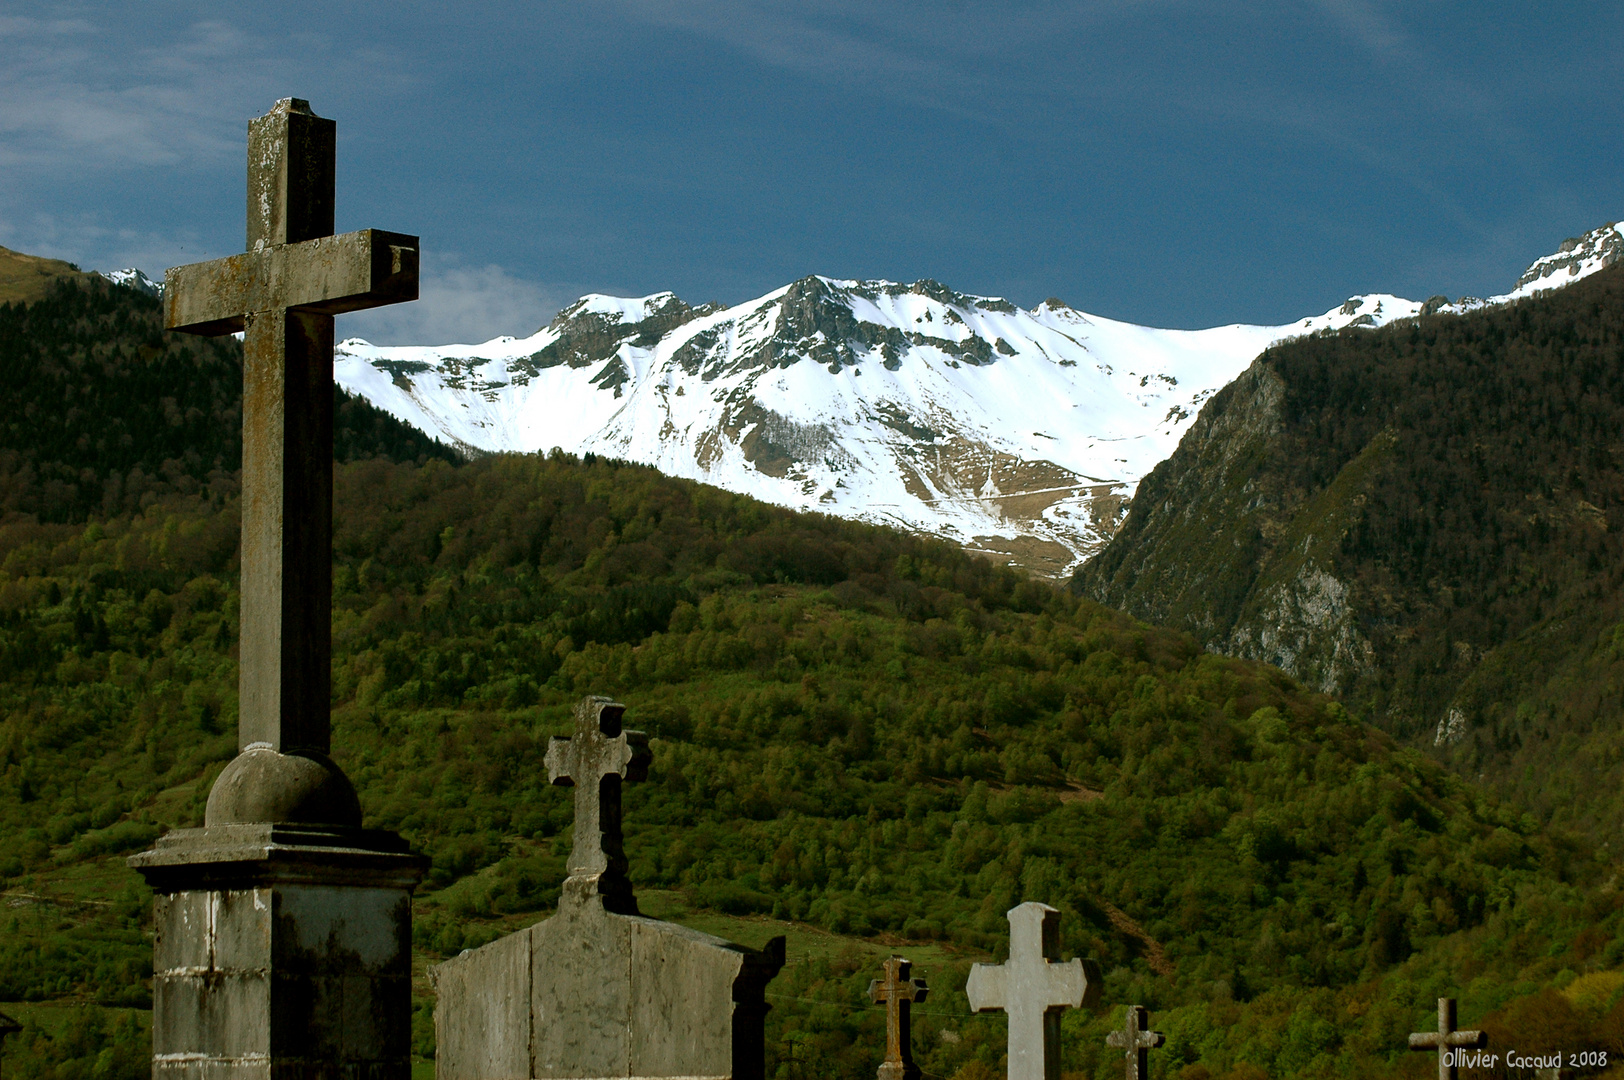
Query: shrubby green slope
pixel 856 730
pixel 1426 520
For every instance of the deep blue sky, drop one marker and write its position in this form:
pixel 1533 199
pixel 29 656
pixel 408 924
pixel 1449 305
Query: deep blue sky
pixel 1172 163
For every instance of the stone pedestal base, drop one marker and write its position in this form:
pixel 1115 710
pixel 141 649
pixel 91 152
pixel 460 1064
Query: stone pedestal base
pixel 281 953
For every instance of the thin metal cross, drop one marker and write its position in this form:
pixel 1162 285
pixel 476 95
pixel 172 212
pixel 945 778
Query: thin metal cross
pixel 1135 1040
pixel 1034 989
pixel 282 293
pixel 898 992
pixel 595 761
pixel 1446 1038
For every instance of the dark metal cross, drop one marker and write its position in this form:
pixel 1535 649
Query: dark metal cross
pixel 282 293
pixel 1136 1041
pixel 595 761
pixel 898 992
pixel 1446 1038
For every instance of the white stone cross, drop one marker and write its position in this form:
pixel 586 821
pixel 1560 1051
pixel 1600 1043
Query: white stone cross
pixel 1446 1038
pixel 1135 1040
pixel 1033 989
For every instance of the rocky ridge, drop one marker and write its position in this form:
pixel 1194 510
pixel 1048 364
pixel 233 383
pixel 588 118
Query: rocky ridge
pixel 1019 433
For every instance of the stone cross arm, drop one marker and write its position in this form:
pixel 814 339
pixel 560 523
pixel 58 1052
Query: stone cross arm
pixel 1063 985
pixel 1446 1038
pixel 329 275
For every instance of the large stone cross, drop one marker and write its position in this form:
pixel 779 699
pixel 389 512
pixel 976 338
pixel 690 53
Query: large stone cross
pixel 898 992
pixel 1136 1042
pixel 282 293
pixel 595 761
pixel 1446 1039
pixel 1033 988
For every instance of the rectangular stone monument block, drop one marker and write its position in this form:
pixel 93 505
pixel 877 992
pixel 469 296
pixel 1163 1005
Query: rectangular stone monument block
pixel 490 1035
pixel 682 996
pixel 583 962
pixel 281 952
pixel 595 994
pixel 342 962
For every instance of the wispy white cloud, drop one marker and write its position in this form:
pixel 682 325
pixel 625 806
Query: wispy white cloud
pixel 461 304
pixel 76 95
pixel 105 93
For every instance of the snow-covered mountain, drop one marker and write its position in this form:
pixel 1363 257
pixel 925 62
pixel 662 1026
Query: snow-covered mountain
pixel 1021 433
pixel 135 279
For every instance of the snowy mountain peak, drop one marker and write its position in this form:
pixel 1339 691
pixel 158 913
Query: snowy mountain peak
pixel 1020 433
pixel 134 279
pixel 1578 257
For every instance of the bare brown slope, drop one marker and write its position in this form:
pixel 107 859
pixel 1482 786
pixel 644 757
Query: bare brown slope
pixel 27 278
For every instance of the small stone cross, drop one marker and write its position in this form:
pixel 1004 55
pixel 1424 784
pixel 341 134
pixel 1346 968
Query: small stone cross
pixel 1446 1038
pixel 1136 1041
pixel 282 293
pixel 898 992
pixel 595 761
pixel 1033 988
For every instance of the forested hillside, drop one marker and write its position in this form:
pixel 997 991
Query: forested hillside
pixel 855 731
pixel 1425 519
pixel 867 740
pixel 102 411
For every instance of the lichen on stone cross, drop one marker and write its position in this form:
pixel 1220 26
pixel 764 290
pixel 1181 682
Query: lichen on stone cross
pixel 282 293
pixel 1136 1041
pixel 897 992
pixel 1447 1039
pixel 1033 989
pixel 596 760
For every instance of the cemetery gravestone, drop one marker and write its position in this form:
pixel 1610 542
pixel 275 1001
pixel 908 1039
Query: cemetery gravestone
pixel 897 992
pixel 1033 989
pixel 597 990
pixel 282 943
pixel 1446 1040
pixel 1136 1041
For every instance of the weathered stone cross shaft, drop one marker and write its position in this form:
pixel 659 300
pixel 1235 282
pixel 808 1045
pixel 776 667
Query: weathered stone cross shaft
pixel 1446 1038
pixel 595 761
pixel 283 293
pixel 1136 1041
pixel 1033 989
pixel 898 992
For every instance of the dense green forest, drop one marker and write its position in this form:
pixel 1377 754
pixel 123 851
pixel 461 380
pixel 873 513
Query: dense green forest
pixel 1431 511
pixel 868 740
pixel 101 411
pixel 870 733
